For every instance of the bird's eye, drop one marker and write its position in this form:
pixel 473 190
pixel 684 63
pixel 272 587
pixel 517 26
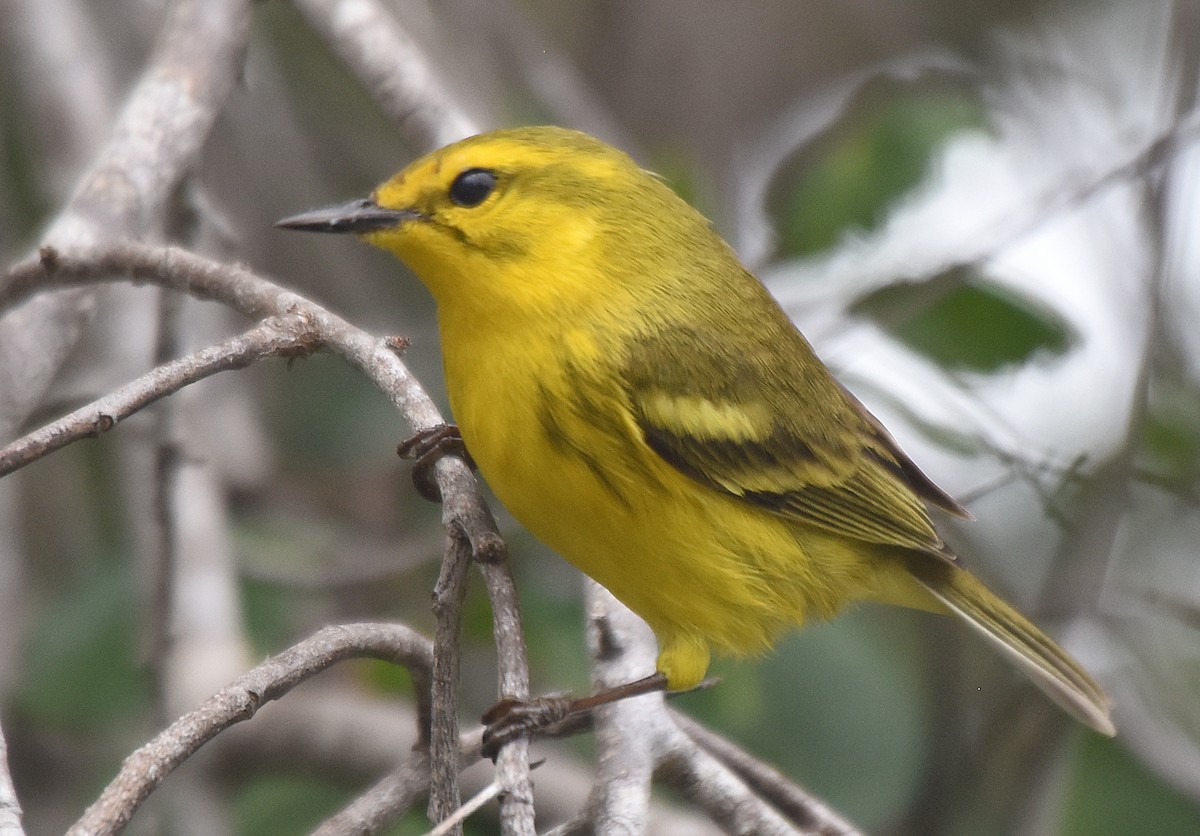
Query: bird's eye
pixel 472 187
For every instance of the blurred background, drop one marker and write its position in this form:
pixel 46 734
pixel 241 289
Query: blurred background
pixel 984 215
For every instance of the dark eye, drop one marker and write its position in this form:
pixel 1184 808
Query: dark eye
pixel 472 187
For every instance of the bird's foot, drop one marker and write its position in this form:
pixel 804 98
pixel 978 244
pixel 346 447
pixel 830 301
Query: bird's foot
pixel 425 448
pixel 512 718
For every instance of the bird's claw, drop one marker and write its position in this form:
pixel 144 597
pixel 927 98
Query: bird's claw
pixel 512 718
pixel 425 448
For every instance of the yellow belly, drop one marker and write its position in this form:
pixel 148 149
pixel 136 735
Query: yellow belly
pixel 703 569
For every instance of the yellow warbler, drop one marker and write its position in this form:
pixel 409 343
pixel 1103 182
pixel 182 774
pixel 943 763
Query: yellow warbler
pixel 638 400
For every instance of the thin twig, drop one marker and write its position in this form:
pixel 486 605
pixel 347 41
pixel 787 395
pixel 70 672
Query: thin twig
pixel 147 767
pixel 381 805
pixel 282 336
pixel 517 812
pixel 637 740
pixel 512 762
pixel 254 296
pixel 156 140
pixel 805 810
pixel 453 822
pixel 470 526
pixel 448 596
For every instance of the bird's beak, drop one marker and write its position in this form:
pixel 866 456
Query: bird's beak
pixel 357 216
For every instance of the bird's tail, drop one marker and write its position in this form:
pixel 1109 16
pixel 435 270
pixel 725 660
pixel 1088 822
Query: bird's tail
pixel 1050 667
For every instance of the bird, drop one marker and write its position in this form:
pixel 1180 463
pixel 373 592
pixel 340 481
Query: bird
pixel 639 401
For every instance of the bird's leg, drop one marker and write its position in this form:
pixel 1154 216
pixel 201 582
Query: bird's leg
pixel 512 718
pixel 425 448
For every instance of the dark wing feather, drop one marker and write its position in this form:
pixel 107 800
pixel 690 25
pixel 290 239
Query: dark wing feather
pixel 768 424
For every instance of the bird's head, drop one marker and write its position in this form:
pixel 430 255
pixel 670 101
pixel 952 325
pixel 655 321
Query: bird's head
pixel 543 219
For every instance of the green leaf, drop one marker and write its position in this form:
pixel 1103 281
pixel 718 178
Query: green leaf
pixel 967 323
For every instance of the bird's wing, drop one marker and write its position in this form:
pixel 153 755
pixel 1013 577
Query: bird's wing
pixel 763 425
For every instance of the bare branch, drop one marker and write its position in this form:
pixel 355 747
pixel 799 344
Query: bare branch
pixel 157 139
pixel 391 67
pixel 512 763
pixel 250 294
pixel 163 124
pixel 448 597
pixel 465 515
pixel 385 802
pixel 806 811
pixel 628 731
pixel 146 768
pixel 277 336
pixel 381 805
pixel 717 791
pixel 637 739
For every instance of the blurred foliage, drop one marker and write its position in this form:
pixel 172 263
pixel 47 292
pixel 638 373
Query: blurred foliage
pixel 87 634
pixel 286 803
pixel 324 416
pixel 849 179
pixel 325 94
pixel 1170 448
pixel 1114 795
pixel 551 609
pixel 962 322
pixel 289 804
pixel 685 177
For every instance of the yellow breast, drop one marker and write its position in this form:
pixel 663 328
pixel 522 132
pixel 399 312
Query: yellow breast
pixel 700 567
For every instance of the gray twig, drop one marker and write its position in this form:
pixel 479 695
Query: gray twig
pixel 805 810
pixel 155 142
pixel 636 739
pixel 274 337
pixel 393 794
pixel 147 767
pixel 471 529
pixel 512 763
pixel 448 596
